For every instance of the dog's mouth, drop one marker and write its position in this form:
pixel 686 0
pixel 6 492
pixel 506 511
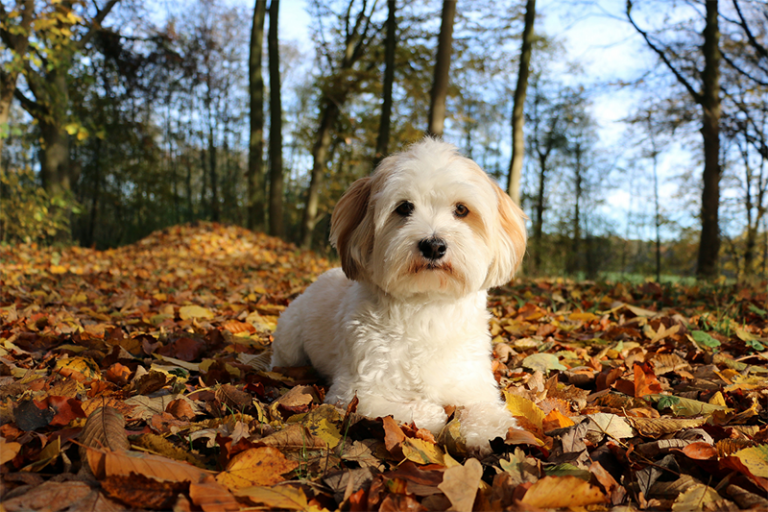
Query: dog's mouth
pixel 430 265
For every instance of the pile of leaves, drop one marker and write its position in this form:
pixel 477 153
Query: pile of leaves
pixel 137 379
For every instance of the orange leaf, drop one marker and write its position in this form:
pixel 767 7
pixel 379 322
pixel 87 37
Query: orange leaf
pixel 700 451
pixel 562 492
pixel 646 382
pixel 394 435
pixel 555 419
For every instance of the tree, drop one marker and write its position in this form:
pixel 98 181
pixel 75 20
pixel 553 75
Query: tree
pixel 546 138
pixel 275 127
pixel 390 44
pixel 356 37
pixel 15 37
pixel 439 91
pixel 518 139
pixel 256 143
pixel 47 78
pixel 707 96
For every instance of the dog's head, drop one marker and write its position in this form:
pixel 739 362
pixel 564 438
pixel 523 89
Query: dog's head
pixel 428 221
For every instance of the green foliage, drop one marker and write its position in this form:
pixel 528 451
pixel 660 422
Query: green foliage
pixel 28 213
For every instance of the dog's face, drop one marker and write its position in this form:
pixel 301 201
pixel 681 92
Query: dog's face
pixel 428 221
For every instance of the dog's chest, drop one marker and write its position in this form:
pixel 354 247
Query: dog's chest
pixel 420 347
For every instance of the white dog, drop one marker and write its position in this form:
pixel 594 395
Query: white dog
pixel 404 326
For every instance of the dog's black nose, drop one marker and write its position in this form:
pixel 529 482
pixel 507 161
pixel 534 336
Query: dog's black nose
pixel 433 248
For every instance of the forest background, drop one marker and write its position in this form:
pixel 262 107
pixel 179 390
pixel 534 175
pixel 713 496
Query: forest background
pixel 121 117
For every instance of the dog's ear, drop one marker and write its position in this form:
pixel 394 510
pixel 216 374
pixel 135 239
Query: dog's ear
pixel 348 215
pixel 509 242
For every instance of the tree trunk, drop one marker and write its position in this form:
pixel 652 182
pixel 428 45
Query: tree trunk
pixel 320 153
pixel 538 219
pixel 518 141
pixel 709 244
pixel 574 263
pixel 382 143
pixel 54 157
pixel 275 127
pixel 256 142
pixel 215 210
pixel 442 68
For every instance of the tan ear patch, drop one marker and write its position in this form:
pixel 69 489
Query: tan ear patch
pixel 347 216
pixel 512 221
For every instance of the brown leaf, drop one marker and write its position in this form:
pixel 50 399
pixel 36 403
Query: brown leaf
pixel 660 426
pixel 234 398
pixel 104 430
pixel 139 491
pixel 460 484
pixel 50 496
pixel 105 464
pixel 211 496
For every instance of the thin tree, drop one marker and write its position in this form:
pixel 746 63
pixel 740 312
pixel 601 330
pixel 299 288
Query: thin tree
pixel 390 44
pixel 439 91
pixel 518 139
pixel 256 140
pixel 656 203
pixel 707 96
pixel 275 126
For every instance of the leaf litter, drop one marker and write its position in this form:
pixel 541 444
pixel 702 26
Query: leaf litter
pixel 138 378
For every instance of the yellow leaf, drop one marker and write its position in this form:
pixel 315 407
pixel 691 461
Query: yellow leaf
pixel 695 498
pixel 717 399
pixel 79 368
pixel 256 466
pixel 278 498
pixel 583 317
pixel 58 269
pixel 422 452
pixel 755 459
pixel 187 312
pixel 520 406
pixel 8 451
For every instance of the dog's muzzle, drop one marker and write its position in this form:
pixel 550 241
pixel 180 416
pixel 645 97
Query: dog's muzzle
pixel 433 248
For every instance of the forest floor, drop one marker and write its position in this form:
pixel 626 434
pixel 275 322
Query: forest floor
pixel 135 379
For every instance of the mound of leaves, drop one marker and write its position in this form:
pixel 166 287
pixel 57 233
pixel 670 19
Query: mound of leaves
pixel 136 379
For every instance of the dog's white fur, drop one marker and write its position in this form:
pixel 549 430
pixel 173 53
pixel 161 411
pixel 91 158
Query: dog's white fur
pixel 405 333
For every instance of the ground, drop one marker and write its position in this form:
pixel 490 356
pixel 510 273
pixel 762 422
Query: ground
pixel 135 379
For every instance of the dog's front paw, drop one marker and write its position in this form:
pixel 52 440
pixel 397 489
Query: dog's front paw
pixel 480 423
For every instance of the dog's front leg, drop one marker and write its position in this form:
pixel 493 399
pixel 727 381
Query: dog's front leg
pixel 424 414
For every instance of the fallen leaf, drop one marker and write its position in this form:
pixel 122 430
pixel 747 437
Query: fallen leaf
pixel 262 466
pixel 460 484
pixel 562 492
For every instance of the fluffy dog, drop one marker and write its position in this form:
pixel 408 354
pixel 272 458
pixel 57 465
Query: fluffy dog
pixel 404 323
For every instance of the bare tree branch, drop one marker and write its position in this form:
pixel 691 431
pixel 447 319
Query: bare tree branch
pixel 697 97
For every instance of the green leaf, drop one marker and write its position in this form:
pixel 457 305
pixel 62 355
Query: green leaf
pixel 665 401
pixel 705 339
pixel 566 469
pixel 755 345
pixel 756 310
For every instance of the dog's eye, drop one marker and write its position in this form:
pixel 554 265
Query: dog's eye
pixel 461 211
pixel 405 209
